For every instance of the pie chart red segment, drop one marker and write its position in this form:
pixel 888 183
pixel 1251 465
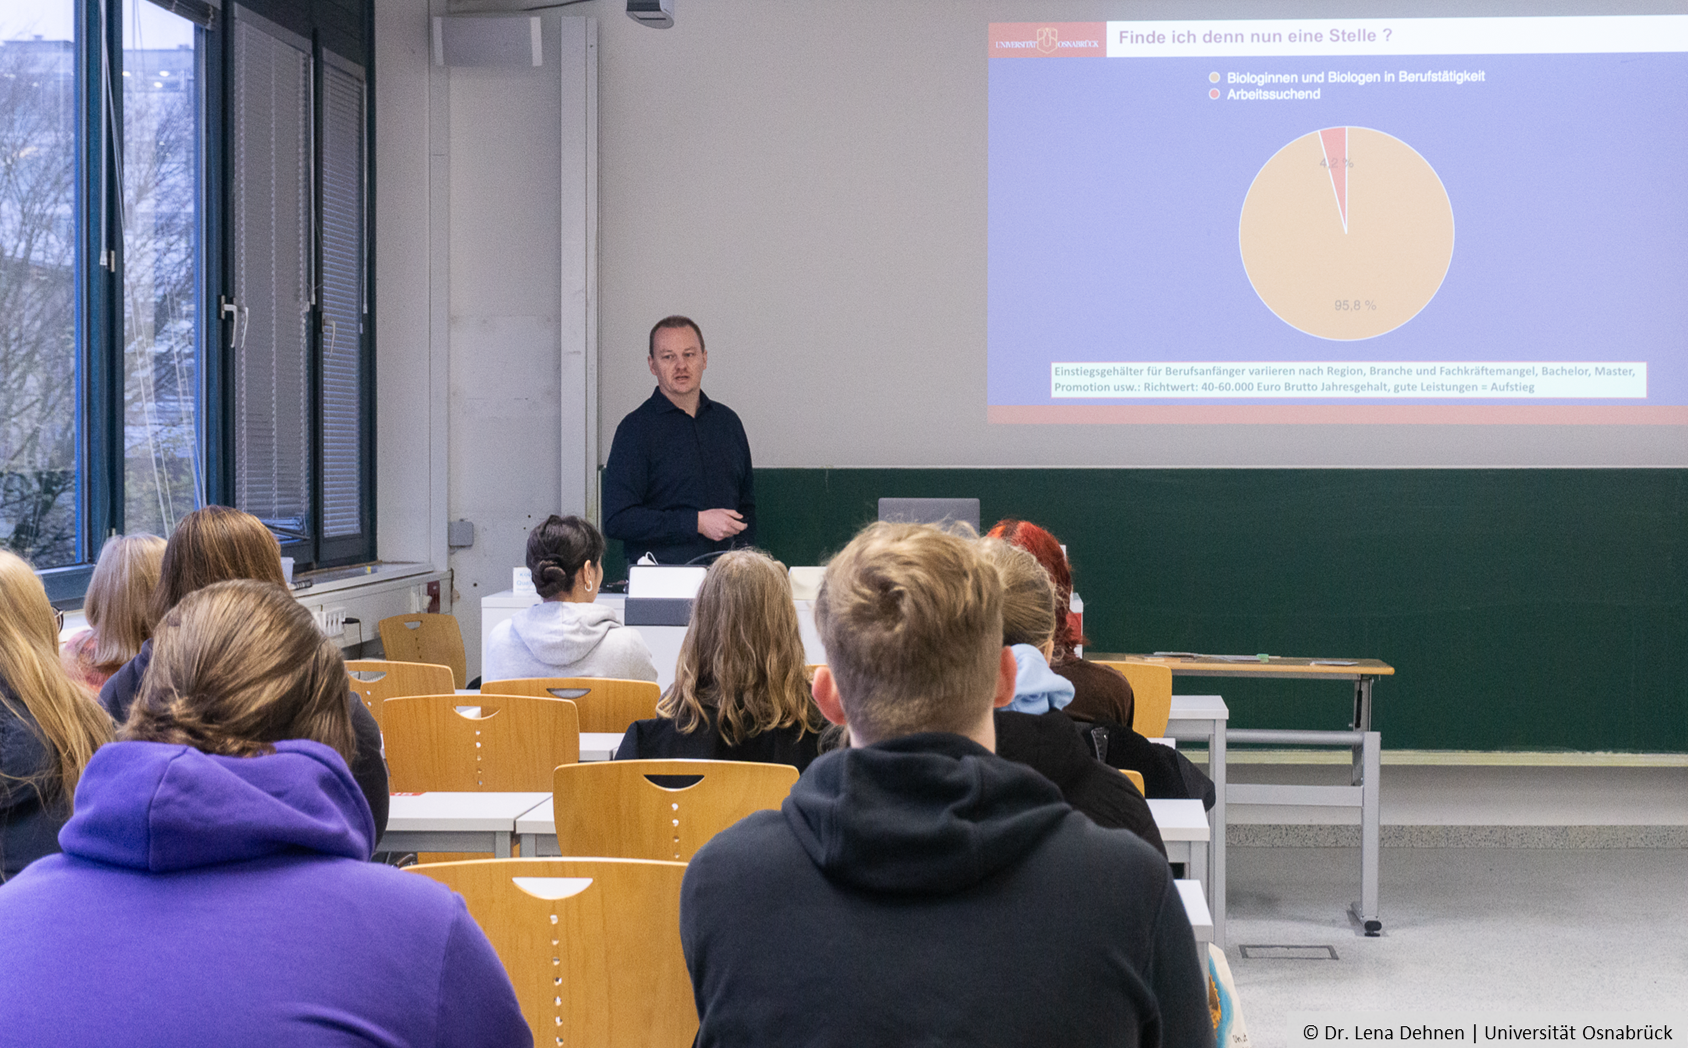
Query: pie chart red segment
pixel 1335 141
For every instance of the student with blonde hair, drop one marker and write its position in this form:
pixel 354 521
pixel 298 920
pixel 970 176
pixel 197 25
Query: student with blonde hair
pixel 916 888
pixel 220 544
pixel 117 609
pixel 215 886
pixel 741 690
pixel 49 727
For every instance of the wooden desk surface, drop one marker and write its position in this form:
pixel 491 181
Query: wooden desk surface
pixel 1275 666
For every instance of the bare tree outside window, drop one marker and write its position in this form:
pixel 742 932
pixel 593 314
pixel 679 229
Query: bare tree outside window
pixel 162 479
pixel 38 503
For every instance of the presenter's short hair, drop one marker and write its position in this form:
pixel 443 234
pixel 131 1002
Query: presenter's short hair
pixel 675 321
pixel 911 616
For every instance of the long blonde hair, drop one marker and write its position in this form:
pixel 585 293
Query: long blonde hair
pixel 119 594
pixel 742 656
pixel 68 719
pixel 238 666
pixel 1028 594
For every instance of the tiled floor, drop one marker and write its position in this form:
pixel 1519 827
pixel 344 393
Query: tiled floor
pixel 1508 930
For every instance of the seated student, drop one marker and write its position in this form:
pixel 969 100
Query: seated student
pixel 217 544
pixel 566 634
pixel 1102 701
pixel 1099 692
pixel 215 886
pixel 740 692
pixel 1031 729
pixel 916 888
pixel 116 609
pixel 49 727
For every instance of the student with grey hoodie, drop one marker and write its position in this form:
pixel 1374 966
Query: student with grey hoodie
pixel 566 634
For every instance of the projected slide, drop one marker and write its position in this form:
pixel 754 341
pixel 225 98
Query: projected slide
pixel 1419 220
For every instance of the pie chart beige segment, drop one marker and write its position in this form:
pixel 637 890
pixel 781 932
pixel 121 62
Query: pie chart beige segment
pixel 1355 282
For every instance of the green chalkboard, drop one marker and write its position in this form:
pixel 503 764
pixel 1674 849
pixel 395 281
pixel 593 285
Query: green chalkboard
pixel 1522 609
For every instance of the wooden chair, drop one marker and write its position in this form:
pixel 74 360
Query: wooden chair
pixel 1135 778
pixel 377 680
pixel 425 638
pixel 612 808
pixel 512 745
pixel 606 704
pixel 592 946
pixel 1151 688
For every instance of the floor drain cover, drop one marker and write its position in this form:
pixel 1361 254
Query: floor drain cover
pixel 1288 953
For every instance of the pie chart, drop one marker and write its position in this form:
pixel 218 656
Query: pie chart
pixel 1346 233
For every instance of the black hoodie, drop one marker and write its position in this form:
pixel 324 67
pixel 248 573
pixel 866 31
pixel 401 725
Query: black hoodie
pixel 925 891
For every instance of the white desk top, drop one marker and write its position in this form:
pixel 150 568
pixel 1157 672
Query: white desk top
pixel 1199 707
pixel 1180 820
pixel 541 819
pixel 459 812
pixel 1195 906
pixel 598 745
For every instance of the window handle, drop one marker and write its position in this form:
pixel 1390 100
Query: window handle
pixel 229 310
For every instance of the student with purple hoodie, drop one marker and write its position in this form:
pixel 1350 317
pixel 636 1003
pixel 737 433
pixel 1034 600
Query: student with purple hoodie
pixel 215 886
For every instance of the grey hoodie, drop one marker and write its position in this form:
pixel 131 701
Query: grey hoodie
pixel 563 639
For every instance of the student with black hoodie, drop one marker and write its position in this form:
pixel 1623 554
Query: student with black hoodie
pixel 916 888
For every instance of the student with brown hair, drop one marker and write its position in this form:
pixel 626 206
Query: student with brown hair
pixel 219 544
pixel 215 886
pixel 917 888
pixel 49 727
pixel 740 690
pixel 567 634
pixel 117 607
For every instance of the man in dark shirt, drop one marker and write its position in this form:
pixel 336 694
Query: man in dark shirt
pixel 678 484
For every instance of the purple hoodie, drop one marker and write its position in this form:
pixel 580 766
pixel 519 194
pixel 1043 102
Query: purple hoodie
pixel 205 900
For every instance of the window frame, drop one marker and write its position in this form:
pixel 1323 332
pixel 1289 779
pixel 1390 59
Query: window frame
pixel 338 28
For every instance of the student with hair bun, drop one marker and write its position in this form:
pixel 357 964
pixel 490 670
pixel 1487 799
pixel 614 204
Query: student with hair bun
pixel 215 886
pixel 566 634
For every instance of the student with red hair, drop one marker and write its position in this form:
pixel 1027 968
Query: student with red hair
pixel 1099 693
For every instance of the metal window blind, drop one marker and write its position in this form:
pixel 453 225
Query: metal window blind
pixel 270 195
pixel 342 298
pixel 199 12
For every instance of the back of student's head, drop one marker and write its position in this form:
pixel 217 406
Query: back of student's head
pixel 119 596
pixel 71 723
pixel 742 655
pixel 911 617
pixel 557 549
pixel 1047 549
pixel 238 666
pixel 1028 595
pixel 214 544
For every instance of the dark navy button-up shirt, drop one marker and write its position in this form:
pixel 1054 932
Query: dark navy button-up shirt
pixel 665 468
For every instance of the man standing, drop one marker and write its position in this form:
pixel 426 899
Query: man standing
pixel 916 889
pixel 678 484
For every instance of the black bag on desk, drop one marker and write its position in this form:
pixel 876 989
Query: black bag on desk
pixel 1167 774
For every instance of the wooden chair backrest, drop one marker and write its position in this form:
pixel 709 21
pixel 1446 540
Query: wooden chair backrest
pixel 1151 689
pixel 606 703
pixel 513 745
pixel 425 638
pixel 377 680
pixel 592 946
pixel 612 808
pixel 1135 778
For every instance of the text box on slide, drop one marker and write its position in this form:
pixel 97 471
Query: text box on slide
pixel 1414 380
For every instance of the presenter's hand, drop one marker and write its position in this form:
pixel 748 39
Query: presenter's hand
pixel 718 524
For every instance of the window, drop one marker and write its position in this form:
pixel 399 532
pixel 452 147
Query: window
pixel 184 311
pixel 38 282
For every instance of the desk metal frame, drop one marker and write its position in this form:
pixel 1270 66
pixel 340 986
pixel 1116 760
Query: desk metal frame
pixel 1364 747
